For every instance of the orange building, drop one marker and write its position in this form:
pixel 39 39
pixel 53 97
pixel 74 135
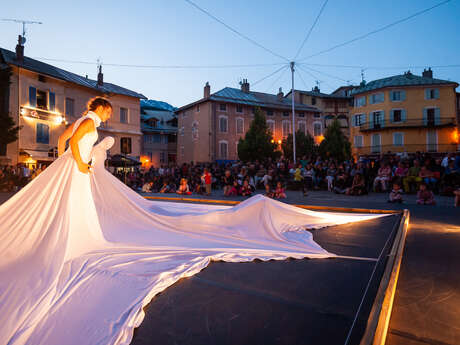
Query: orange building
pixel 405 113
pixel 210 128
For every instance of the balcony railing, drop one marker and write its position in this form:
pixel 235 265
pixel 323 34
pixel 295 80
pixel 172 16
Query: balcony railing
pixel 409 148
pixel 414 123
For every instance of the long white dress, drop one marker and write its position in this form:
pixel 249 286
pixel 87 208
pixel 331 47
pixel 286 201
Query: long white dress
pixel 82 254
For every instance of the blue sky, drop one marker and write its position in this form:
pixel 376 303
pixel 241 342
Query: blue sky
pixel 173 32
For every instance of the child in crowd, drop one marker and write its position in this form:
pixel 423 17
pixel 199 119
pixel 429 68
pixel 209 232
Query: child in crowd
pixel 234 190
pixel 396 194
pixel 207 179
pixel 425 196
pixel 268 191
pixel 279 191
pixel 165 187
pixel 246 190
pixel 147 187
pixel 183 187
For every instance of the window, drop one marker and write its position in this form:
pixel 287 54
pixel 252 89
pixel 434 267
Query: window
pixel 156 138
pixel 431 116
pixel 398 139
pixel 223 107
pixel 162 157
pixel 302 126
pixel 69 107
pixel 223 149
pixel 43 133
pixel 431 93
pixel 317 115
pixel 197 108
pixel 286 128
pixel 359 119
pixel 285 113
pixel 313 101
pixel 377 118
pixel 123 115
pixel 376 98
pixel 195 130
pixel 125 145
pixel 343 121
pixel 239 125
pixel 239 108
pixel 397 95
pixel 269 112
pixel 165 139
pixel 397 115
pixel 360 101
pixel 182 151
pixel 223 124
pixel 271 126
pixel 301 114
pixel 146 138
pixel 375 144
pixel 42 101
pixel 358 141
pixel 317 130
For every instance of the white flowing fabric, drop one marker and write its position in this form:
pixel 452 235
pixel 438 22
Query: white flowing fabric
pixel 83 254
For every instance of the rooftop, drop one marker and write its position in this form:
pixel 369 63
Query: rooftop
pixel 30 64
pixel 406 79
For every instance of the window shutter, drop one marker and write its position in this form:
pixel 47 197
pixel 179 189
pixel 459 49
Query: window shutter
pixel 382 119
pixel 392 96
pixel 403 95
pixel 403 115
pixel 437 116
pixel 382 97
pixel 371 101
pixel 436 93
pixel 52 101
pixel 392 117
pixel 363 118
pixel 425 116
pixel 32 96
pixel 371 120
pixel 427 93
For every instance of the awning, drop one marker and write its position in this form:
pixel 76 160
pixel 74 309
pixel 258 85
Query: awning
pixel 39 155
pixel 122 161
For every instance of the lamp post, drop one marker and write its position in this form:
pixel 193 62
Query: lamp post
pixel 293 110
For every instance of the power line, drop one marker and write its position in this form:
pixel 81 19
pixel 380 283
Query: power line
pixel 235 31
pixel 377 30
pixel 311 29
pixel 160 66
pixel 380 67
pixel 277 79
pixel 303 81
pixel 314 76
pixel 268 76
pixel 328 75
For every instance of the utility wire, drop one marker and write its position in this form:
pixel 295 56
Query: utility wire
pixel 327 74
pixel 235 31
pixel 311 29
pixel 277 79
pixel 376 30
pixel 380 67
pixel 268 76
pixel 301 78
pixel 160 66
pixel 314 77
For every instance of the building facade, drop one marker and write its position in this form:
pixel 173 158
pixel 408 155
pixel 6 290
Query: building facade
pixel 333 106
pixel 210 128
pixel 405 113
pixel 159 128
pixel 43 99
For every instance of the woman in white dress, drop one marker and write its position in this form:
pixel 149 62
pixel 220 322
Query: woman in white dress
pixel 82 254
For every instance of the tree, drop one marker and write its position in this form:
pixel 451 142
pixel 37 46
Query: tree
pixel 257 143
pixel 304 145
pixel 8 128
pixel 335 143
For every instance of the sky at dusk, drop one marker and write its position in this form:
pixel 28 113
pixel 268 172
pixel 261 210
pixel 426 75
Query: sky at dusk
pixel 174 32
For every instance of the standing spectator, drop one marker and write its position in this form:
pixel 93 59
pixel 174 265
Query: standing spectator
pixel 207 179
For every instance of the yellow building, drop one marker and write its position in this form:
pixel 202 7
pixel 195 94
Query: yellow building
pixel 43 99
pixel 404 113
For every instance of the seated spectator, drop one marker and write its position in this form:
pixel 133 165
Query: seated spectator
pixel 227 182
pixel 396 194
pixel 401 171
pixel 246 190
pixel 234 190
pixel 427 176
pixel 330 176
pixel 268 191
pixel 165 187
pixel 383 177
pixel 425 196
pixel 147 187
pixel 183 187
pixel 412 177
pixel 308 175
pixel 358 186
pixel 279 191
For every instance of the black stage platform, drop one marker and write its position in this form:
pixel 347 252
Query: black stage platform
pixel 277 302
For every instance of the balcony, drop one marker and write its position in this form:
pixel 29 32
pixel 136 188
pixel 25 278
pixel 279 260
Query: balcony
pixel 411 123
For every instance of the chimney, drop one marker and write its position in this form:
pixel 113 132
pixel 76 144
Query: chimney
pixel 207 90
pixel 245 86
pixel 20 49
pixel 100 77
pixel 316 89
pixel 280 95
pixel 427 73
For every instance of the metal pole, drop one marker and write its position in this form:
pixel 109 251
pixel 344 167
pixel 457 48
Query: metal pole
pixel 293 111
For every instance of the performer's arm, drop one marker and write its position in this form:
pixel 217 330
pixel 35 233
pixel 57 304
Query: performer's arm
pixel 86 126
pixel 63 138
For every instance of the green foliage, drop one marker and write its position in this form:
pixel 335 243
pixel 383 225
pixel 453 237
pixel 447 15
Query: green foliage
pixel 257 141
pixel 304 145
pixel 8 128
pixel 335 144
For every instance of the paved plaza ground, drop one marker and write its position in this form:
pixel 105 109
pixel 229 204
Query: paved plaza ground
pixel 427 301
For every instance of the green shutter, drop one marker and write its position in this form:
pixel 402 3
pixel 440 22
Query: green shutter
pixel 371 120
pixel 403 95
pixel 382 119
pixel 427 94
pixel 392 116
pixel 436 93
pixel 425 117
pixel 32 96
pixel 437 116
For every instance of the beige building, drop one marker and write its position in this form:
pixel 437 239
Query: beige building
pixel 43 99
pixel 209 129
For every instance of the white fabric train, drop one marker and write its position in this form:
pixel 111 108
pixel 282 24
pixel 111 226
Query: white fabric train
pixel 81 255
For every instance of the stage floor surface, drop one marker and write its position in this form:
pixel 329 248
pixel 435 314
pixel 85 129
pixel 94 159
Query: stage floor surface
pixel 308 301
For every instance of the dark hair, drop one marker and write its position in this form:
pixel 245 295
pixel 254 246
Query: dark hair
pixel 95 102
